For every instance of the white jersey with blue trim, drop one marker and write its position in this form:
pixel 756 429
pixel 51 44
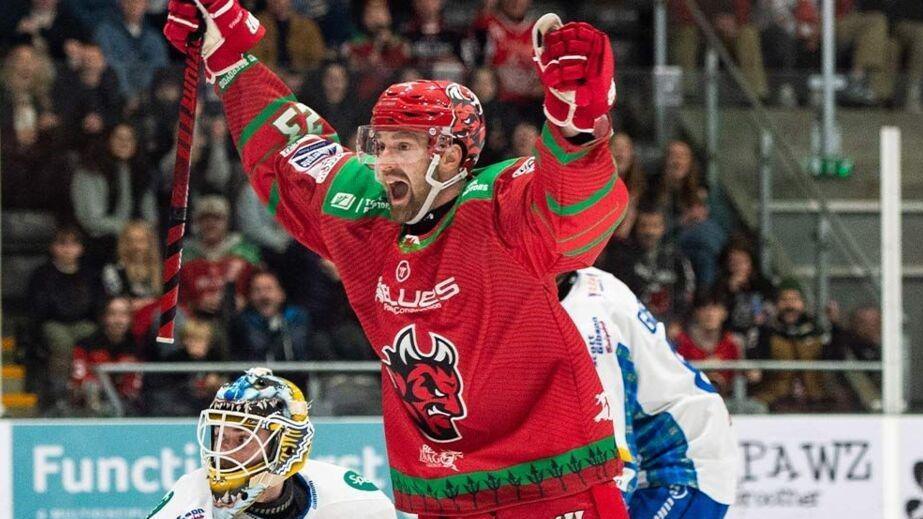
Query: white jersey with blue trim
pixel 334 492
pixel 673 423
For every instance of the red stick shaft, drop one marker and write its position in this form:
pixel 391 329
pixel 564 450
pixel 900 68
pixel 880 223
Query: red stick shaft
pixel 174 249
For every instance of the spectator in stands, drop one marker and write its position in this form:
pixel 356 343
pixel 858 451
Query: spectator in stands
pixel 679 183
pixel 705 338
pixel 134 49
pixel 483 82
pixel 88 98
pixel 523 140
pixel 293 43
pixel 864 30
pixel 92 12
pixel 111 343
pixel 792 335
pixel 161 115
pixel 745 292
pixel 907 32
pixel 435 48
pixel 336 326
pixel 30 130
pixel 701 240
pixel 217 263
pixel 375 49
pixel 630 171
pixel 47 24
pixel 268 329
pixel 503 37
pixel 790 31
pixel 335 97
pixel 857 339
pixel 109 189
pixel 61 296
pixel 135 274
pixel 654 269
pixel 732 22
pixel 212 170
pixel 185 394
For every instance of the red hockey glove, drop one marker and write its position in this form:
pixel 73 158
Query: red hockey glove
pixel 230 30
pixel 576 66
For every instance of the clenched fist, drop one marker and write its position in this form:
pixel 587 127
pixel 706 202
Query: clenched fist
pixel 576 67
pixel 230 30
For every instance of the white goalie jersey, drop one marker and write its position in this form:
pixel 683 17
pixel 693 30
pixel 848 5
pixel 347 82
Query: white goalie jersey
pixel 334 492
pixel 670 420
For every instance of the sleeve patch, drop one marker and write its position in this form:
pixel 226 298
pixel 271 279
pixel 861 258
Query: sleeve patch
pixel 314 156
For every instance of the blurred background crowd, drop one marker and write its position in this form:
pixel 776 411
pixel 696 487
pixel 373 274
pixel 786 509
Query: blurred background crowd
pixel 88 114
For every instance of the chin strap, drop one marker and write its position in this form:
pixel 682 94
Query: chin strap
pixel 436 187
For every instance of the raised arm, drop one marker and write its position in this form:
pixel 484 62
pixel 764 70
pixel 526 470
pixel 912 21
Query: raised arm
pixel 560 217
pixel 288 151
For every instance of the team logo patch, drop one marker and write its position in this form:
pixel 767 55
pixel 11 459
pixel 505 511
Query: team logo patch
pixel 358 482
pixel 527 167
pixel 439 459
pixel 343 201
pixel 429 384
pixel 402 272
pixel 316 158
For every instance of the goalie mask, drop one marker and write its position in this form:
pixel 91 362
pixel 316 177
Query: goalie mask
pixel 254 435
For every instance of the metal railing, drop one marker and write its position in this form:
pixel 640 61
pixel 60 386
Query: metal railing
pixel 829 222
pixel 104 371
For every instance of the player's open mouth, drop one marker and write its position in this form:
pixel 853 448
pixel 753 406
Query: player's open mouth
pixel 398 191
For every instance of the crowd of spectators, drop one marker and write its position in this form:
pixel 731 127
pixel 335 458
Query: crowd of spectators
pixel 88 112
pixel 701 280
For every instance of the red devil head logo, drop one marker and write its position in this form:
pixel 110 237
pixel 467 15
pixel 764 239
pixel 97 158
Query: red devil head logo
pixel 428 383
pixel 467 121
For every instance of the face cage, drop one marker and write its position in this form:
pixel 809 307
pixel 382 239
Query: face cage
pixel 210 433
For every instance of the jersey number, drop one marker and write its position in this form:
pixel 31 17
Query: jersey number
pixel 287 123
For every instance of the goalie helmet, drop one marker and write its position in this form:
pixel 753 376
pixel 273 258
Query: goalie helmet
pixel 254 435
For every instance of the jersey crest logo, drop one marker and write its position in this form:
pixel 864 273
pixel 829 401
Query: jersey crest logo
pixel 439 459
pixel 429 384
pixel 402 272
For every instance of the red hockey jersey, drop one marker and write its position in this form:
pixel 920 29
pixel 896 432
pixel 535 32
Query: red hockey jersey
pixel 489 396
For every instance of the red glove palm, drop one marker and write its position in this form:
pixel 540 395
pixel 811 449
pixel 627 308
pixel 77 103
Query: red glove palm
pixel 576 66
pixel 230 30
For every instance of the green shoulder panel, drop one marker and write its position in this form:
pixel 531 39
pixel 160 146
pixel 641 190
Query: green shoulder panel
pixel 481 185
pixel 355 194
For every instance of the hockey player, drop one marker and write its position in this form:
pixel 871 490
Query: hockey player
pixel 451 269
pixel 255 438
pixel 679 449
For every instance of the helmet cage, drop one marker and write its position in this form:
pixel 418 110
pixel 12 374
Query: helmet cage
pixel 268 457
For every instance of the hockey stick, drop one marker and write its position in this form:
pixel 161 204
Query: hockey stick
pixel 184 135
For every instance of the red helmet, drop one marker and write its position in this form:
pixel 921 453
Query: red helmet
pixel 435 105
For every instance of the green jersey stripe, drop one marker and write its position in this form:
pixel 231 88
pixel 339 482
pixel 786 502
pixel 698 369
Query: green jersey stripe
pixel 578 207
pixel 557 151
pixel 572 461
pixel 274 196
pixel 601 238
pixel 541 216
pixel 257 122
